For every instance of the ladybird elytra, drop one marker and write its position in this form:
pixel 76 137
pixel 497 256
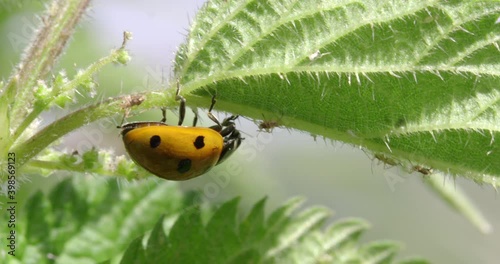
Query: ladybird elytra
pixel 173 144
pixel 180 152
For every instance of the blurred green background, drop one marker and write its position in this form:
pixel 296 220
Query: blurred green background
pixel 279 165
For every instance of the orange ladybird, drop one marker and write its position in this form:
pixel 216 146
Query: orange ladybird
pixel 179 152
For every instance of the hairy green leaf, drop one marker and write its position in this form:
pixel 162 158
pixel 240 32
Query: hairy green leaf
pixel 90 220
pixel 298 238
pixel 417 79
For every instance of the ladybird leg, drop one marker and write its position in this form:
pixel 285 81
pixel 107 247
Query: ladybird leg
pixel 164 115
pixel 229 120
pixel 229 130
pixel 229 127
pixel 230 145
pixel 195 120
pixel 216 121
pixel 228 124
pixel 182 107
pixel 213 103
pixel 218 127
pixel 224 153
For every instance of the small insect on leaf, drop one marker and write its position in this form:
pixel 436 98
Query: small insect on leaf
pixel 268 125
pixel 423 170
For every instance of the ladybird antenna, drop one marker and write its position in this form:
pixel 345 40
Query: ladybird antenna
pixel 123 120
pixel 245 133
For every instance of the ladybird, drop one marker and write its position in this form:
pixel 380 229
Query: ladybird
pixel 179 152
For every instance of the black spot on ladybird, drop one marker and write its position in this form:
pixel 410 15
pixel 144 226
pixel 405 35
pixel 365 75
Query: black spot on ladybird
pixel 154 141
pixel 199 142
pixel 184 165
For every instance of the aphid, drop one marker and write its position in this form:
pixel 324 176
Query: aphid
pixel 268 125
pixel 423 170
pixel 386 160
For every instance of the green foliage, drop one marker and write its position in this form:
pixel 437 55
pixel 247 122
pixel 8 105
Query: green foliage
pixel 30 91
pixel 284 237
pixel 103 163
pixel 91 220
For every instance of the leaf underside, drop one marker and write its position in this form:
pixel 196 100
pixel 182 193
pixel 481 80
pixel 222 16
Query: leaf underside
pixel 418 80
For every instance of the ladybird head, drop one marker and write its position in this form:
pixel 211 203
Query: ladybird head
pixel 232 137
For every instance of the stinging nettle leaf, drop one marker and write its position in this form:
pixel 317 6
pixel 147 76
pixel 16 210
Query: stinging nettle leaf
pixel 417 79
pixel 296 238
pixel 134 253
